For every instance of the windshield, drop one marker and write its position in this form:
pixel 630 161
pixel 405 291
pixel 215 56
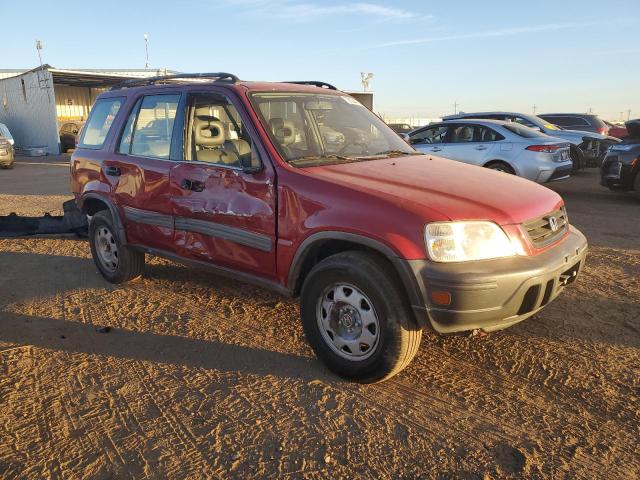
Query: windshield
pixel 310 129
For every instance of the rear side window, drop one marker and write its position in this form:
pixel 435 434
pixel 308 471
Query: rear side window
pixel 100 121
pixel 151 135
pixel 524 132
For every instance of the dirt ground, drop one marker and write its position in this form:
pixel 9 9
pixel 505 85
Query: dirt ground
pixel 202 377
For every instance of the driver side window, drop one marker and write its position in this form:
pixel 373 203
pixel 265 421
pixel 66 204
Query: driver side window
pixel 430 136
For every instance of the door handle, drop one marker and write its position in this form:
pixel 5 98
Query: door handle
pixel 436 149
pixel 193 185
pixel 113 171
pixel 481 147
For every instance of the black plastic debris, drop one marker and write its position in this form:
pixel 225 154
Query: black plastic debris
pixel 73 221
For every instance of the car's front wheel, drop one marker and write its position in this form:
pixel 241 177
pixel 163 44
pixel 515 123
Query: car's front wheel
pixel 357 319
pixel 116 262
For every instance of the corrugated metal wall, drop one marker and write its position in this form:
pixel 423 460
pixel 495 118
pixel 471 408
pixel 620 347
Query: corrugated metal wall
pixel 74 103
pixel 28 108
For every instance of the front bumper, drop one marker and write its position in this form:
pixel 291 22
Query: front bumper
pixel 494 294
pixel 6 160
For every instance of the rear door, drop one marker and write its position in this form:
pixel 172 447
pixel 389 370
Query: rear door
pixel 223 196
pixel 430 140
pixel 471 143
pixel 140 169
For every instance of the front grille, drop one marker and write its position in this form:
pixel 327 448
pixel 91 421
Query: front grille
pixel 548 228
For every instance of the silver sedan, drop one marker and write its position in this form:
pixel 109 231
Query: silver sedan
pixel 499 145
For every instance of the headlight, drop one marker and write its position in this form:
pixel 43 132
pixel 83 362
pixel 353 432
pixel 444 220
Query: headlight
pixel 621 148
pixel 466 241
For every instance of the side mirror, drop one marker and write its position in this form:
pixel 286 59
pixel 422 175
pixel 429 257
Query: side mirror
pixel 405 137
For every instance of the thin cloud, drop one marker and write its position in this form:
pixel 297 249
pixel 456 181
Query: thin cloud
pixel 505 32
pixel 312 11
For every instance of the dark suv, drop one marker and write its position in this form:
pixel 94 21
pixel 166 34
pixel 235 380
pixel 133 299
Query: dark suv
pixel 621 167
pixel 377 240
pixel 584 122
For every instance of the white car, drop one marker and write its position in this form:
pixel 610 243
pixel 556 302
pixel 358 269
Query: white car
pixel 499 145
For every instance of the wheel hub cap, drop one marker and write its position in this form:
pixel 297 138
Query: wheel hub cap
pixel 106 248
pixel 348 322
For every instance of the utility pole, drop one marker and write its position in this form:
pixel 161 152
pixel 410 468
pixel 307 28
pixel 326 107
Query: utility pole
pixel 455 107
pixel 534 108
pixel 146 48
pixel 628 115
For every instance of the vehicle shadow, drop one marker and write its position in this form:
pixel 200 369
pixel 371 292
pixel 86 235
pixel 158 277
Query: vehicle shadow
pixel 76 337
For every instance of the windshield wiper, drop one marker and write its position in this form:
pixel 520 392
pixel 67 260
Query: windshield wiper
pixel 309 158
pixel 390 153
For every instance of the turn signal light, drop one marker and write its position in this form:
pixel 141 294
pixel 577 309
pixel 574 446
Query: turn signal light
pixel 441 298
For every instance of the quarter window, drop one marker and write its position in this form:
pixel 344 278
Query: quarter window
pixel 99 123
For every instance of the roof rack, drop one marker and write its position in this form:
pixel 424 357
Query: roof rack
pixel 137 82
pixel 315 83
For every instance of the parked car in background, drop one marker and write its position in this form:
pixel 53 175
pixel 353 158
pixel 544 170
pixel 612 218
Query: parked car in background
pixel 6 134
pixel 377 240
pixel 583 122
pixel 621 167
pixel 69 134
pixel 400 127
pixel 505 146
pixel 586 149
pixel 7 154
pixel 617 130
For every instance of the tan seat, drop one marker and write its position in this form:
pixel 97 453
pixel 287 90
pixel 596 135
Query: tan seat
pixel 283 130
pixel 209 138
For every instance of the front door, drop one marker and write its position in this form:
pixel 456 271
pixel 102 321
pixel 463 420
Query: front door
pixel 430 140
pixel 141 168
pixel 223 196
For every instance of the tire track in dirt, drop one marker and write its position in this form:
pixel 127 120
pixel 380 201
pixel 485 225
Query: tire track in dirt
pixel 476 416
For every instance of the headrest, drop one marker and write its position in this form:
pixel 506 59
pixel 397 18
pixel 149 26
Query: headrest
pixel 283 130
pixel 208 133
pixel 205 112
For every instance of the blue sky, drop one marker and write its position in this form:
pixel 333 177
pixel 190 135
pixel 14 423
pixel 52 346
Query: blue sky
pixel 562 55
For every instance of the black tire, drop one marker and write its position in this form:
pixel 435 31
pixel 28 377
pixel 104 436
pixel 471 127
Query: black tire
pixel 501 167
pixel 127 263
pixel 398 335
pixel 577 158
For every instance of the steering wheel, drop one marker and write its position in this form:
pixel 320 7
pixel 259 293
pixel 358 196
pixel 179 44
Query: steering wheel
pixel 357 141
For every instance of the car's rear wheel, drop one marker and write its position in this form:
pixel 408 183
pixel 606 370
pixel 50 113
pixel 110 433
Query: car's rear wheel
pixel 357 319
pixel 501 167
pixel 117 263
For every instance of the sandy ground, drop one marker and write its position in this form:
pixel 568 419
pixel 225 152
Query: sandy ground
pixel 202 377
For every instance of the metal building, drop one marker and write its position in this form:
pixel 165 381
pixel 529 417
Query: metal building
pixel 34 103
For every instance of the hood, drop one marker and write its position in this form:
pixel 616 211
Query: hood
pixel 633 129
pixel 437 186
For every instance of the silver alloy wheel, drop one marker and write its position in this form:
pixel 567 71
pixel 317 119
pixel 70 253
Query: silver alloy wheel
pixel 348 322
pixel 106 248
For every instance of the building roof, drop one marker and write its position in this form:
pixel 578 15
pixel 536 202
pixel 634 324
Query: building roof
pixel 87 77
